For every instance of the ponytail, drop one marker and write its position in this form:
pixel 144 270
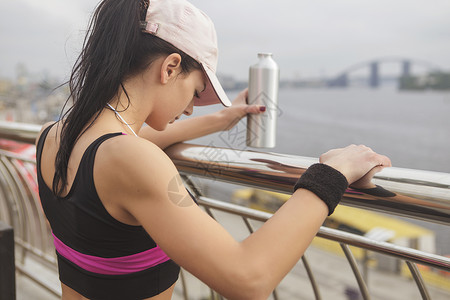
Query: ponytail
pixel 114 49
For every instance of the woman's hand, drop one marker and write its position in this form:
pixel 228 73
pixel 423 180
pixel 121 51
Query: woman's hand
pixel 196 127
pixel 239 109
pixel 358 164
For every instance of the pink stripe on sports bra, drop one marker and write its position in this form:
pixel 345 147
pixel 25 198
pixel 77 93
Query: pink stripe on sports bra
pixel 112 266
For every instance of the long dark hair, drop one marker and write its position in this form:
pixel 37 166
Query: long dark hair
pixel 114 49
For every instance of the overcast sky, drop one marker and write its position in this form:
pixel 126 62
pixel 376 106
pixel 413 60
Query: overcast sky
pixel 309 38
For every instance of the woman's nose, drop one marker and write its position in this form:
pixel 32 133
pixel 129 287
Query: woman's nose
pixel 190 109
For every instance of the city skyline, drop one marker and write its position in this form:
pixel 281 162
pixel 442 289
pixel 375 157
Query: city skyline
pixel 308 38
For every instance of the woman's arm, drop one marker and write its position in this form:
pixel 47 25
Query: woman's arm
pixel 149 191
pixel 193 128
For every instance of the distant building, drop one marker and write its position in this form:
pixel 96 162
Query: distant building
pixel 5 86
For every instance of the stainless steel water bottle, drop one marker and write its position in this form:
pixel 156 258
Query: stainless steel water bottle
pixel 263 90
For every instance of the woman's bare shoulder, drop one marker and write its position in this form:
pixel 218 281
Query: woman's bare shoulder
pixel 132 161
pixel 42 130
pixel 126 149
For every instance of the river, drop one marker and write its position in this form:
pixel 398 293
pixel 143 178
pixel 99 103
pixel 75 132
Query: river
pixel 412 128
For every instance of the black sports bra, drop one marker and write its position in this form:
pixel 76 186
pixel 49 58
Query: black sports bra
pixel 99 256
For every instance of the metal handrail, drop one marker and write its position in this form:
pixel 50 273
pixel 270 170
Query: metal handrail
pixel 412 193
pixel 419 194
pixel 413 255
pixel 20 132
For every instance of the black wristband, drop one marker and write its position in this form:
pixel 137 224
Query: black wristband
pixel 326 182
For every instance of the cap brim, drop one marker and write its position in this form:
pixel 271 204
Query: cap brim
pixel 213 92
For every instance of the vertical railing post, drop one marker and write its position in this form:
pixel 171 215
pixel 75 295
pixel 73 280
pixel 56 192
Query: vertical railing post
pixel 7 264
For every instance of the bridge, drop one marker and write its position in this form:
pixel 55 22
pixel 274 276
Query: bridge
pixel 373 66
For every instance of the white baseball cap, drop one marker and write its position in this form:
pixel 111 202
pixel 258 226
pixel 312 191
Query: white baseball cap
pixel 189 29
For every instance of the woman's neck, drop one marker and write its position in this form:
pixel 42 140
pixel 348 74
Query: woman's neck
pixel 131 106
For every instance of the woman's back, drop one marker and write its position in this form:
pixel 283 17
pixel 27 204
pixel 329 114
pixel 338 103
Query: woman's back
pixel 94 249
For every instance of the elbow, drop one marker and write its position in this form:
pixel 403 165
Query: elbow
pixel 249 284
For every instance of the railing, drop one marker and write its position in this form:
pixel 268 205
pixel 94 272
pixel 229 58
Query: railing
pixel 20 207
pixel 411 193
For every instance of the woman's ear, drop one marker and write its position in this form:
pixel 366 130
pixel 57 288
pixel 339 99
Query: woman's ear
pixel 170 67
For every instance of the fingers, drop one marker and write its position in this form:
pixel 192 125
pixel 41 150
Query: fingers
pixel 240 103
pixel 245 94
pixel 239 110
pixel 255 109
pixel 355 161
pixel 379 160
pixel 385 161
pixel 241 97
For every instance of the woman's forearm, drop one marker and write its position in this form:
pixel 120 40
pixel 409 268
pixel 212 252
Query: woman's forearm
pixel 184 130
pixel 193 128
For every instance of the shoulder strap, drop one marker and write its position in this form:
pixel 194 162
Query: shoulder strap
pixel 86 166
pixel 93 147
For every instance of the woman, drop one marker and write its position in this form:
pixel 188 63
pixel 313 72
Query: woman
pixel 119 232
